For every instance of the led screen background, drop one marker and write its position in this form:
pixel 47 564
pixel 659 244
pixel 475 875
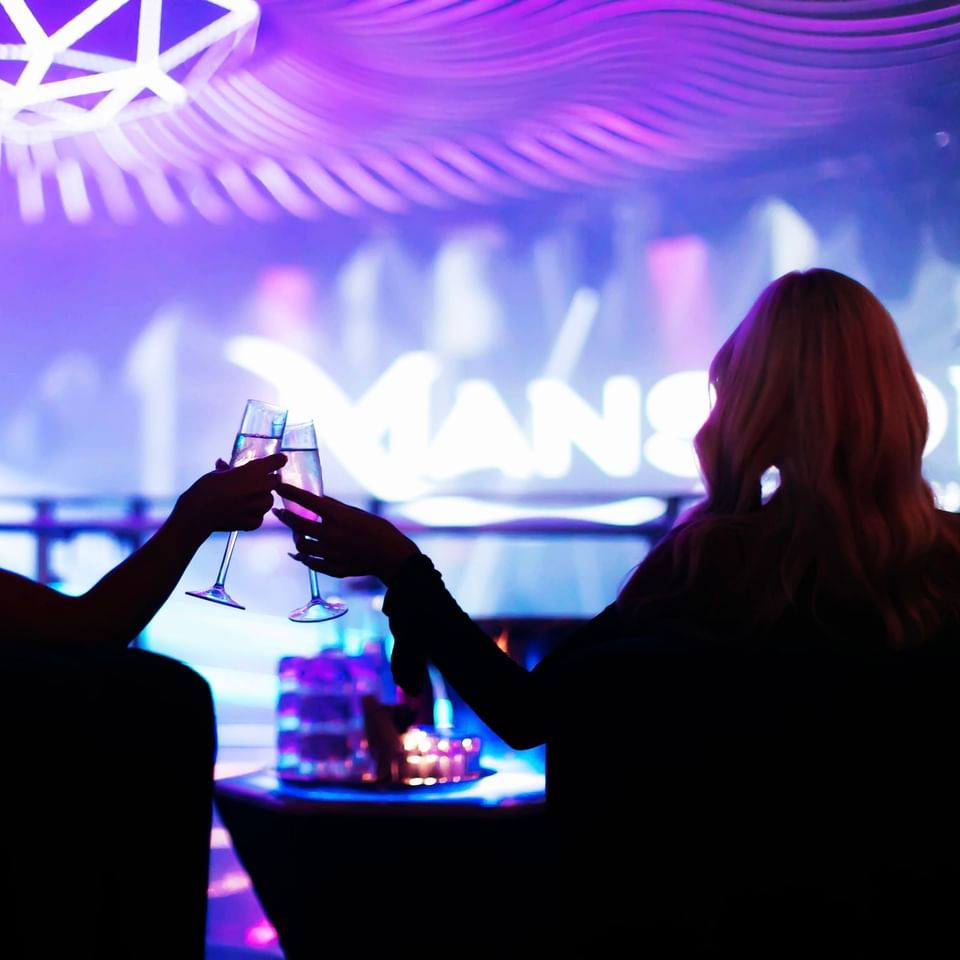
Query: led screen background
pixel 418 348
pixel 489 249
pixel 505 281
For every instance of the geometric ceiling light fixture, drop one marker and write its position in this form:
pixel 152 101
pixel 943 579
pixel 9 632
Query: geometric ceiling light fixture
pixel 73 67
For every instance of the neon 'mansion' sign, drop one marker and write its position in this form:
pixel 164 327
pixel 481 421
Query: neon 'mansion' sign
pixel 397 446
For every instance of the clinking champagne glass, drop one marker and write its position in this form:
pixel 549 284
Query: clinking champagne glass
pixel 302 469
pixel 261 430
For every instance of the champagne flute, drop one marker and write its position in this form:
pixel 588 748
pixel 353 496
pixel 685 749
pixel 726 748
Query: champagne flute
pixel 259 436
pixel 302 469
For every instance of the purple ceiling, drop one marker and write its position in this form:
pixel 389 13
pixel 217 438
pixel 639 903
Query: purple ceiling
pixel 367 106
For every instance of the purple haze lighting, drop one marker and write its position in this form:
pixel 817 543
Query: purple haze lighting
pixel 681 288
pixel 382 107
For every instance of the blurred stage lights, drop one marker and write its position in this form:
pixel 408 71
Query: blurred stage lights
pixel 72 80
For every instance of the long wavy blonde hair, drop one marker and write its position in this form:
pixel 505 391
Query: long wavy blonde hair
pixel 815 382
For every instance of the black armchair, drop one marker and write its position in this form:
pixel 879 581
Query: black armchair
pixel 107 786
pixel 776 804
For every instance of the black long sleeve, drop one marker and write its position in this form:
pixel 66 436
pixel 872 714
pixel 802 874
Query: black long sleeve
pixel 428 624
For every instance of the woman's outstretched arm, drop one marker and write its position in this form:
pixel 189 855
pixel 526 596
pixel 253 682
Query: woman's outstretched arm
pixel 426 621
pixel 113 612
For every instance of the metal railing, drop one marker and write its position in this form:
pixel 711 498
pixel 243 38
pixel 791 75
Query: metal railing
pixel 133 519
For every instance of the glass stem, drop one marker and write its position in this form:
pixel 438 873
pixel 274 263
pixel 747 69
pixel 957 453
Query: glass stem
pixel 225 562
pixel 315 596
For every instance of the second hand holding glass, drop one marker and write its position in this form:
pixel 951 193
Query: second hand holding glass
pixel 302 470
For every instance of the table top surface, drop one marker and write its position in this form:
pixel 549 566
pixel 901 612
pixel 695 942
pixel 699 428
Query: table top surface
pixel 514 786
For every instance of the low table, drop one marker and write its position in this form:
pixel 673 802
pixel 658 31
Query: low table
pixel 395 869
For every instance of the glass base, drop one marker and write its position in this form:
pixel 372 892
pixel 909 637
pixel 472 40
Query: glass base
pixel 216 595
pixel 316 611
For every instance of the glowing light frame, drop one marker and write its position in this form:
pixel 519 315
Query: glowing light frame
pixel 33 109
pixel 384 440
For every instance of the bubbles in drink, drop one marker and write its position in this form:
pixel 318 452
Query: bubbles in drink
pixel 302 470
pixel 251 446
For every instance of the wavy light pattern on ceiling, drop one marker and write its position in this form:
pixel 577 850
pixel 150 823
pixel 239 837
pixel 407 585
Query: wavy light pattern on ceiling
pixel 364 106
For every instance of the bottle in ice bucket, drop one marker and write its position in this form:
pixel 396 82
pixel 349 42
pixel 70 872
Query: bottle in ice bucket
pixel 341 719
pixel 320 729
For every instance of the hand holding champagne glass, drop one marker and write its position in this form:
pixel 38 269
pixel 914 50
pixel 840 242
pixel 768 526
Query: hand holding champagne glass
pixel 303 470
pixel 261 430
pixel 339 540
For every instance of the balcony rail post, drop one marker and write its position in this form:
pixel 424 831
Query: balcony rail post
pixel 43 514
